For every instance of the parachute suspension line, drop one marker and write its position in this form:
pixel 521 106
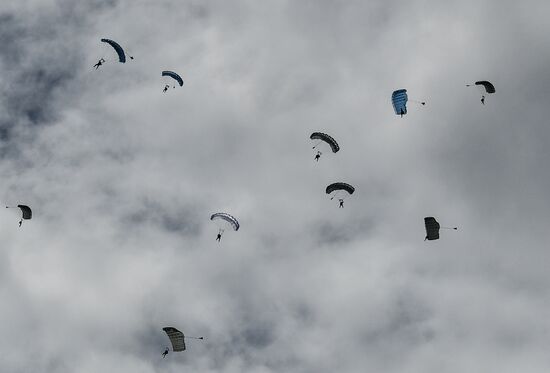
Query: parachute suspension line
pixel 335 195
pixel 317 144
pixel 194 337
pixel 454 228
pixel 418 102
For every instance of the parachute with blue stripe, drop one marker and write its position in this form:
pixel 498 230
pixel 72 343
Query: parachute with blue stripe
pixel 118 49
pixel 399 99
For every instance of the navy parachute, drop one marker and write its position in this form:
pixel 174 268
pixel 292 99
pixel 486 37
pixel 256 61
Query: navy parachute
pixel 432 228
pixel 118 49
pixel 325 138
pixel 174 76
pixel 26 213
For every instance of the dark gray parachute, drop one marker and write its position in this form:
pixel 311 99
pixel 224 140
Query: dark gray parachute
pixel 489 87
pixel 340 186
pixel 118 49
pixel 26 211
pixel 432 228
pixel 326 138
pixel 176 338
pixel 174 76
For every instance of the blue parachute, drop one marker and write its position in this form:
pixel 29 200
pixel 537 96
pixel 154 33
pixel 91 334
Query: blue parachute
pixel 399 100
pixel 173 75
pixel 118 49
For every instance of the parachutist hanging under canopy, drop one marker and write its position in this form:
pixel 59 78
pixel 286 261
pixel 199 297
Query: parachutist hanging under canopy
pixel 219 237
pixel 99 63
pixel 165 88
pixel 483 99
pixel 318 155
pixel 165 353
pixel 341 203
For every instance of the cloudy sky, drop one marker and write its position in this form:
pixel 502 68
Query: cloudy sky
pixel 122 180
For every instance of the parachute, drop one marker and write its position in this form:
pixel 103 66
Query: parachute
pixel 173 75
pixel 118 49
pixel 326 138
pixel 224 217
pixel 399 100
pixel 26 213
pixel 489 87
pixel 340 186
pixel 177 338
pixel 432 228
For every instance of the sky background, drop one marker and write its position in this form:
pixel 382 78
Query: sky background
pixel 122 180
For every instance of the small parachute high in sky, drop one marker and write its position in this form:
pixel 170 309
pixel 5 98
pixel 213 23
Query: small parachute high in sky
pixel 26 213
pixel 339 190
pixel 177 339
pixel 118 49
pixel 485 87
pixel 432 228
pixel 399 99
pixel 323 137
pixel 174 76
pixel 224 221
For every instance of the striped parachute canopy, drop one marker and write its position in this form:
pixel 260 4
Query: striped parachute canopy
pixel 432 228
pixel 489 87
pixel 118 49
pixel 174 76
pixel 226 218
pixel 326 138
pixel 340 186
pixel 399 100
pixel 176 338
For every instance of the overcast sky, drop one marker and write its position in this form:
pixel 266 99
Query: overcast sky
pixel 123 178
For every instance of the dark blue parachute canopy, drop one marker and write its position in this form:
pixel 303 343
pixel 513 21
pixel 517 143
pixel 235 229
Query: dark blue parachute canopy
pixel 228 218
pixel 118 49
pixel 326 138
pixel 340 186
pixel 173 75
pixel 432 228
pixel 489 87
pixel 399 100
pixel 26 211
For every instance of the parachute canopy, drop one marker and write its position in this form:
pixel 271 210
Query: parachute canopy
pixel 27 212
pixel 118 49
pixel 432 228
pixel 340 186
pixel 326 138
pixel 399 100
pixel 228 218
pixel 173 75
pixel 489 87
pixel 176 338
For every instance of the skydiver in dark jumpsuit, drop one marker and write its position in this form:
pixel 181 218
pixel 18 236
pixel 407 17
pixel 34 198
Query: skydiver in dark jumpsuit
pixel 483 99
pixel 165 88
pixel 318 155
pixel 165 353
pixel 99 63
pixel 341 203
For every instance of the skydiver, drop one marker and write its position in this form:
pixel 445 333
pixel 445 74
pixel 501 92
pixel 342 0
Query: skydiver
pixel 165 353
pixel 318 155
pixel 341 200
pixel 402 112
pixel 483 99
pixel 99 63
pixel 20 222
pixel 219 237
pixel 165 88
